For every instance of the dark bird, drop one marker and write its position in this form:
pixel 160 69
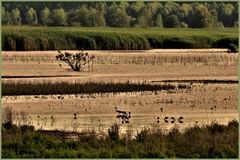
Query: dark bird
pixel 121 111
pixel 166 119
pixel 180 119
pixel 121 116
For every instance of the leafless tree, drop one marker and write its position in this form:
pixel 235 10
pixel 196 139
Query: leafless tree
pixel 78 62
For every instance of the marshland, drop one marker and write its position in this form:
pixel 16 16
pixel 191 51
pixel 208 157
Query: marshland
pixel 149 91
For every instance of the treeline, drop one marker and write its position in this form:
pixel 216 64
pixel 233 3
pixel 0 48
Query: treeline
pixel 121 14
pixel 211 141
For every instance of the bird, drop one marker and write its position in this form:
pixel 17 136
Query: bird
pixel 166 119
pixel 180 119
pixel 121 111
pixel 173 119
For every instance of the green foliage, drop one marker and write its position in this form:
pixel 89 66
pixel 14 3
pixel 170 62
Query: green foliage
pixel 116 16
pixel 55 38
pixel 58 17
pixel 172 21
pixel 113 133
pixel 45 16
pixel 232 48
pixel 225 42
pixel 15 17
pixel 31 17
pixel 126 14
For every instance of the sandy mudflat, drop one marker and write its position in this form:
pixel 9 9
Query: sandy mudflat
pixel 202 104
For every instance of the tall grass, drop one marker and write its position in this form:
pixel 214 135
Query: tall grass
pixel 60 38
pixel 139 58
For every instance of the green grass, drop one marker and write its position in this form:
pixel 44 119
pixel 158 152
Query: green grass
pixel 61 38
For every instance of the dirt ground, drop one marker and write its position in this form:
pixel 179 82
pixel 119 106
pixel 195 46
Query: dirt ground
pixel 199 105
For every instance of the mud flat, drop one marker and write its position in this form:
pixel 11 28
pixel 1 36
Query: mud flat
pixel 211 97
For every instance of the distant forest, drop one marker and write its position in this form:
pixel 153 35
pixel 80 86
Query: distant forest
pixel 122 14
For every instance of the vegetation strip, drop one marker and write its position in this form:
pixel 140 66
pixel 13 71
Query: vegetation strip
pixel 210 141
pixel 41 76
pixel 201 81
pixel 62 38
pixel 10 89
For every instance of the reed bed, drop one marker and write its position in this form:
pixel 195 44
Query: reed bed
pixel 219 57
pixel 62 38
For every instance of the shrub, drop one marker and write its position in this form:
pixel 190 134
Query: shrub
pixel 225 42
pixel 113 133
pixel 232 48
pixel 177 43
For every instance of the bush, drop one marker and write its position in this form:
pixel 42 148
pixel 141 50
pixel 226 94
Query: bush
pixel 177 43
pixel 232 48
pixel 225 42
pixel 113 133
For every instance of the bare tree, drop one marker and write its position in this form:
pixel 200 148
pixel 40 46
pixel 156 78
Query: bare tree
pixel 78 62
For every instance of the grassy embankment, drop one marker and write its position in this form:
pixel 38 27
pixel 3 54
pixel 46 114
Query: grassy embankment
pixel 62 38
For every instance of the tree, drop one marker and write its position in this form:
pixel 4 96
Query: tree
pixel 200 17
pixel 226 14
pixel 86 17
pixel 172 21
pixel 101 15
pixel 184 11
pixel 58 17
pixel 158 21
pixel 31 17
pixel 72 18
pixel 144 18
pixel 15 17
pixel 117 17
pixel 232 48
pixel 133 10
pixel 83 14
pixel 45 16
pixel 78 61
pixel 92 18
pixel 5 17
